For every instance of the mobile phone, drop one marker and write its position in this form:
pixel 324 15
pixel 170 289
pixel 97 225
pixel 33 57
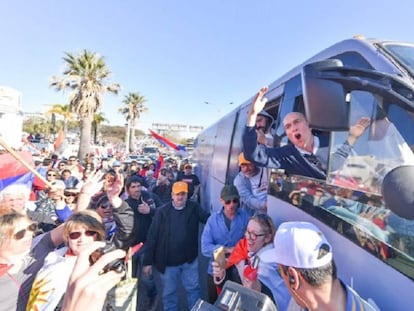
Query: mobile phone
pixel 219 255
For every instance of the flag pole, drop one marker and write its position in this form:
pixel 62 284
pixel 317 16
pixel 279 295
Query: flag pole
pixel 23 161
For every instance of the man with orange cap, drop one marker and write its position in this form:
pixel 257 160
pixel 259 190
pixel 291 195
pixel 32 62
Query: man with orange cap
pixel 172 246
pixel 252 183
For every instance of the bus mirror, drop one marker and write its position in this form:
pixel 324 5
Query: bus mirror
pixel 398 191
pixel 325 104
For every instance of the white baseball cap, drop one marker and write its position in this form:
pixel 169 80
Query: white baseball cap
pixel 297 244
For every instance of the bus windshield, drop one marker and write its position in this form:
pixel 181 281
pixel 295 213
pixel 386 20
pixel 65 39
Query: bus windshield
pixel 404 53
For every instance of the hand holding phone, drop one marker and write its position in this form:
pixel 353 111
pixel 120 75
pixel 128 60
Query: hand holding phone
pixel 219 255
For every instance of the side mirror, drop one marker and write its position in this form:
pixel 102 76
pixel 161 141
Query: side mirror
pixel 398 191
pixel 325 104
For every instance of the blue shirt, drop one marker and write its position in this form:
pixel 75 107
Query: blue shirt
pixel 216 234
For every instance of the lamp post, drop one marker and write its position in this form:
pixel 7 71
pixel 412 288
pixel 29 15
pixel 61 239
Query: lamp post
pixel 127 137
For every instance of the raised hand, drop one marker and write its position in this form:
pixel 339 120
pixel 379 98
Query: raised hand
pixel 93 184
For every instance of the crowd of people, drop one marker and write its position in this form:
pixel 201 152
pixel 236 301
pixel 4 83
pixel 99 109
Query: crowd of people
pixel 48 232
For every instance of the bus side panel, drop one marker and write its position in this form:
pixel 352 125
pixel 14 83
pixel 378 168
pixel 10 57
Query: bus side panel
pixel 213 150
pixel 370 277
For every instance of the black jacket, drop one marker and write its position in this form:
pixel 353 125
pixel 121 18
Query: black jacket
pixel 156 246
pixel 142 222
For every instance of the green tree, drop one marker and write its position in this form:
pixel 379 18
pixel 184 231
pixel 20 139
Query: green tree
pixel 86 77
pixel 64 111
pixel 134 106
pixel 98 118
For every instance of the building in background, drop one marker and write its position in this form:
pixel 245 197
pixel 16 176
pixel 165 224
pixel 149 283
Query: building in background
pixel 11 116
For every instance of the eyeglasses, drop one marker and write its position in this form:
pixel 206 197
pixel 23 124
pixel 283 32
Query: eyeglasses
pixel 51 175
pixel 20 234
pixel 235 201
pixel 253 236
pixel 76 234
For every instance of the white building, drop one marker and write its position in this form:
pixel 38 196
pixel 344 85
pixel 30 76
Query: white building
pixel 11 116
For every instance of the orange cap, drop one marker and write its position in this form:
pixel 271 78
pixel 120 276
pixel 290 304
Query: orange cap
pixel 179 186
pixel 242 159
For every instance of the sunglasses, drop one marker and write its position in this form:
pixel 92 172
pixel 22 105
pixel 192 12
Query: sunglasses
pixel 105 206
pixel 20 234
pixel 235 201
pixel 51 175
pixel 76 234
pixel 70 194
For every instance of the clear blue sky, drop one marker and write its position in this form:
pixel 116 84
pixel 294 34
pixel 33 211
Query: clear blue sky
pixel 180 54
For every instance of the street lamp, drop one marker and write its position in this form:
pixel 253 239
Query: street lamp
pixel 127 137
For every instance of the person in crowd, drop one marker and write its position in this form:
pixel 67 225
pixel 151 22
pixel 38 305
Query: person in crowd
pixel 62 165
pixel 104 165
pixel 175 172
pixel 71 196
pixel 254 273
pixel 307 155
pixel 75 167
pixel 49 286
pixel 54 204
pixel 163 186
pixel 80 230
pixel 20 259
pixel 252 184
pixel 263 125
pixel 103 207
pixel 87 284
pixel 69 180
pixel 172 246
pixel 223 229
pixel 144 205
pixel 306 264
pixel 85 175
pixel 52 175
pixel 192 181
pixel 150 180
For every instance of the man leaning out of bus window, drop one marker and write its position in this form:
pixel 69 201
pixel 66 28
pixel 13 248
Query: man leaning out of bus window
pixel 307 155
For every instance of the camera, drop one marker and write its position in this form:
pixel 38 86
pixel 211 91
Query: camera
pixel 118 265
pixel 235 297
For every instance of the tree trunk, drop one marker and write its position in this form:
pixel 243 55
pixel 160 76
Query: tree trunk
pixel 85 137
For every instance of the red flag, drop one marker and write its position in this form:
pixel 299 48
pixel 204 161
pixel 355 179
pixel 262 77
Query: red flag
pixel 159 165
pixel 60 143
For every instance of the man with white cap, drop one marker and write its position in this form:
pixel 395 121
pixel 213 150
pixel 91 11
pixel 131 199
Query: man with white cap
pixel 305 261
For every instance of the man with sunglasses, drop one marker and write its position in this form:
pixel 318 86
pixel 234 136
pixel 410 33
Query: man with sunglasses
pixel 223 229
pixel 252 184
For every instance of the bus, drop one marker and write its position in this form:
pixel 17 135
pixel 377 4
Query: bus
pixel 365 207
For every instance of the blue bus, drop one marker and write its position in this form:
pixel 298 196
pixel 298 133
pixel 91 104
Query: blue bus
pixel 365 207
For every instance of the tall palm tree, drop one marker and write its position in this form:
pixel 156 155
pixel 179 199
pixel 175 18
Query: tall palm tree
pixel 64 111
pixel 86 77
pixel 98 118
pixel 134 106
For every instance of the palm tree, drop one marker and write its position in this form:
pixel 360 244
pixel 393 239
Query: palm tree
pixel 64 111
pixel 98 118
pixel 134 106
pixel 85 76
